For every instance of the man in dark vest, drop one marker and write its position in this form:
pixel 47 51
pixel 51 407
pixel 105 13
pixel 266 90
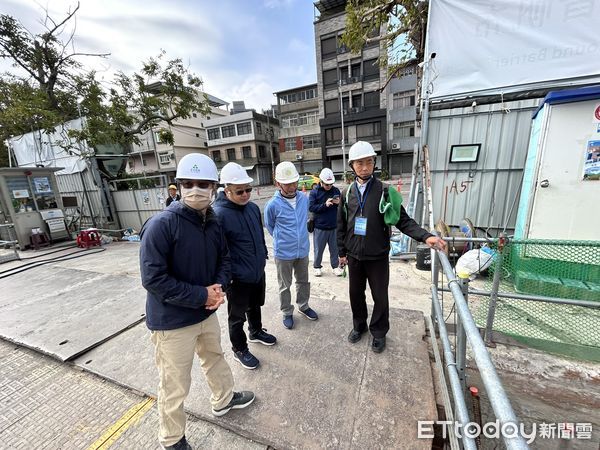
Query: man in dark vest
pixel 364 244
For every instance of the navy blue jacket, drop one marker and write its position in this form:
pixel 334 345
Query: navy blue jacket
pixel 245 235
pixel 325 216
pixel 181 253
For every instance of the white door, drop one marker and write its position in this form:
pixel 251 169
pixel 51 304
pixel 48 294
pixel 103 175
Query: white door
pixel 569 206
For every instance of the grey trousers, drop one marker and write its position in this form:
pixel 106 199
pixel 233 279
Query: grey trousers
pixel 299 267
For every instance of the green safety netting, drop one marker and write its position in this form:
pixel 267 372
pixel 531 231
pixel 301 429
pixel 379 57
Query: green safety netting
pixel 560 269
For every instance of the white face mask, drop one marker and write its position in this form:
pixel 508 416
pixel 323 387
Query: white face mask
pixel 197 198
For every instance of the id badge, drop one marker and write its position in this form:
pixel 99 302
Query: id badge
pixel 360 226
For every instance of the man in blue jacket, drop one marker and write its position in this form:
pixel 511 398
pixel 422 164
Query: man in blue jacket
pixel 242 225
pixel 323 203
pixel 286 215
pixel 185 264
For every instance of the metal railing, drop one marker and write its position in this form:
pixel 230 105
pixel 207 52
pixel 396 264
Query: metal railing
pixel 467 331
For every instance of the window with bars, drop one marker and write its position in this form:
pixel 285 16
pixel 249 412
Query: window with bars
pixel 258 128
pixel 311 141
pixel 403 99
pixel 244 128
pixel 299 96
pixel 228 131
pixel 231 154
pixel 214 133
pixel 164 158
pixel 247 152
pixel 403 130
pixel 290 144
pixel 295 120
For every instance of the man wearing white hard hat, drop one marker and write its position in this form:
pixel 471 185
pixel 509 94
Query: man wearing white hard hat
pixel 242 225
pixel 364 243
pixel 185 265
pixel 286 215
pixel 323 204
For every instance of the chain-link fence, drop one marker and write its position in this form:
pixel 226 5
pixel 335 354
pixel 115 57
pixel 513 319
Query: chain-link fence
pixel 559 269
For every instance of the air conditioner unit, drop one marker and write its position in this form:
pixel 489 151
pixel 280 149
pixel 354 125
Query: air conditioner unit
pixel 396 146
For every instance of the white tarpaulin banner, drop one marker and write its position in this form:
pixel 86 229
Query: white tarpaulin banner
pixel 38 148
pixel 495 45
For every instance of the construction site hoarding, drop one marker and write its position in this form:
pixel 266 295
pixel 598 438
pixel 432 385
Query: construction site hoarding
pixel 487 47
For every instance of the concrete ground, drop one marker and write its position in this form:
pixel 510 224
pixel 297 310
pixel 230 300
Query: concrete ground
pixel 314 389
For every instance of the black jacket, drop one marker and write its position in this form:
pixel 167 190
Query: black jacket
pixel 180 254
pixel 243 229
pixel 376 243
pixel 171 199
pixel 325 216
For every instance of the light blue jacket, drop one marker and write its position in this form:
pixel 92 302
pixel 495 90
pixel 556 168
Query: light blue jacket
pixel 288 226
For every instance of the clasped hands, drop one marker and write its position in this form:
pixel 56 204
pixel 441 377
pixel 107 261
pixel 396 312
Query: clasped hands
pixel 216 297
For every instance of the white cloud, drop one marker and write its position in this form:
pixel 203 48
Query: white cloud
pixel 241 51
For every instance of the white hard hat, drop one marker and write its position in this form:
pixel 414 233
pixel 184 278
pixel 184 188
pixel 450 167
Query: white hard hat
pixel 359 150
pixel 286 173
pixel 196 166
pixel 233 173
pixel 327 176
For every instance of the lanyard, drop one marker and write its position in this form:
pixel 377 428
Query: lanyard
pixel 361 202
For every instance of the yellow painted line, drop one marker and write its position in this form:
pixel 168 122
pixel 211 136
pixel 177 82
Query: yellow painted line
pixel 128 419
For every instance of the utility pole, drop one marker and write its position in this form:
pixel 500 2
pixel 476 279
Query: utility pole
pixel 343 134
pixel 270 134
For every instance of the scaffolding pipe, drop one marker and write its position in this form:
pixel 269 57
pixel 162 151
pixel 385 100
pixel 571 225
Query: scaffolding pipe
pixel 498 398
pixel 455 384
pixel 535 298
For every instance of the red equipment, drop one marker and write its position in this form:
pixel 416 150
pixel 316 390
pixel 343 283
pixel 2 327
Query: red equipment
pixel 88 238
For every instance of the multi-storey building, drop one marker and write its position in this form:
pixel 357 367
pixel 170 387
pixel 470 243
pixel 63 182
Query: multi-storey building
pixel 300 134
pixel 349 86
pixel 189 135
pixel 249 139
pixel 401 118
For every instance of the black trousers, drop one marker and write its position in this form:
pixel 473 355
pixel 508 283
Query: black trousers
pixel 377 273
pixel 244 301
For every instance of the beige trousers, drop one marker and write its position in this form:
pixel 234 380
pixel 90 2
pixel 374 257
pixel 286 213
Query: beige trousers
pixel 174 355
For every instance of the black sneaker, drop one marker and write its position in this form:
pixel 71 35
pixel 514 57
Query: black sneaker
pixel 182 444
pixel 239 400
pixel 262 337
pixel 246 359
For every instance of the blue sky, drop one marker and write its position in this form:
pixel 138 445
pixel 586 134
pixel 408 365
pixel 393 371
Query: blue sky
pixel 242 49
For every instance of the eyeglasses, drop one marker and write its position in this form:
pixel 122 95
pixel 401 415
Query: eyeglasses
pixel 189 184
pixel 241 191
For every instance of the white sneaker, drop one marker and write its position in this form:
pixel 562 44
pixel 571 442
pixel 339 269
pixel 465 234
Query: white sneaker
pixel 338 272
pixel 318 272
